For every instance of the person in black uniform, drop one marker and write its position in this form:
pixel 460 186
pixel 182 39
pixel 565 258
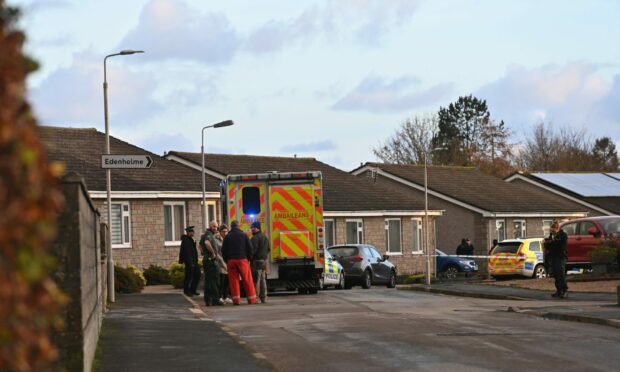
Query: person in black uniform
pixel 188 255
pixel 260 243
pixel 555 246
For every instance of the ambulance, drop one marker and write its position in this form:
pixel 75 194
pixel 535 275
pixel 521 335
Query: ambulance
pixel 290 209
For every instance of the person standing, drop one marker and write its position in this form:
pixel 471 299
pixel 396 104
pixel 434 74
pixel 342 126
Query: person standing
pixel 260 243
pixel 237 251
pixel 219 239
pixel 209 263
pixel 555 246
pixel 462 248
pixel 188 255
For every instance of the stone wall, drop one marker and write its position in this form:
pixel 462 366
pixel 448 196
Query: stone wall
pixel 79 274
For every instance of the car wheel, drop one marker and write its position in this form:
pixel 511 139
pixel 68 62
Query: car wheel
pixel 392 282
pixel 540 272
pixel 366 280
pixel 340 284
pixel 451 272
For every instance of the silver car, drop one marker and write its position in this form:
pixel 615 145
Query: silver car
pixel 363 265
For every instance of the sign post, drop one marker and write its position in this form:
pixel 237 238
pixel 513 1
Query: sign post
pixel 126 161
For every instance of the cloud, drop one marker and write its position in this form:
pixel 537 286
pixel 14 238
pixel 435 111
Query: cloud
pixel 376 94
pixel 572 94
pixel 171 30
pixel 309 147
pixel 74 95
pixel 365 21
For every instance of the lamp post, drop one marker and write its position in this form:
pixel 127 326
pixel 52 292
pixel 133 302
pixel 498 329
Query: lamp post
pixel 108 175
pixel 225 123
pixel 426 236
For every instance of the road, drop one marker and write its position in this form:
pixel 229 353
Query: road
pixel 395 330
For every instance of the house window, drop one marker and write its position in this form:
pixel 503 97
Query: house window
pixel 392 235
pixel 500 228
pixel 330 233
pixel 174 221
pixel 121 224
pixel 417 235
pixel 547 227
pixel 519 229
pixel 355 232
pixel 211 216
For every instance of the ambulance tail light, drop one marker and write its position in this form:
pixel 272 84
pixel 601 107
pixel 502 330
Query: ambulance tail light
pixel 356 258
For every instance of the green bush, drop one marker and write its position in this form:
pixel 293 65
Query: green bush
pixel 127 281
pixel 605 253
pixel 155 274
pixel 139 273
pixel 177 274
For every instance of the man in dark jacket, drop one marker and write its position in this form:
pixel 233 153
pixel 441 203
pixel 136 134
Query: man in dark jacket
pixel 188 255
pixel 209 263
pixel 555 247
pixel 237 252
pixel 260 243
pixel 465 248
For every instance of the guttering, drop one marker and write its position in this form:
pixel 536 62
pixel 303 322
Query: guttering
pixel 328 214
pixel 154 194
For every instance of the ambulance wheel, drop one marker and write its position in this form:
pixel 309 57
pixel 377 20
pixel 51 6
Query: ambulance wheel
pixel 392 282
pixel 313 290
pixel 540 272
pixel 340 284
pixel 302 290
pixel 366 280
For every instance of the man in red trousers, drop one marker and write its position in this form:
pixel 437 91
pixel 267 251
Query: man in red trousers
pixel 237 251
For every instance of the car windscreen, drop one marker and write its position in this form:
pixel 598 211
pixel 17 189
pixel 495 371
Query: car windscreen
pixel 611 225
pixel 508 247
pixel 343 251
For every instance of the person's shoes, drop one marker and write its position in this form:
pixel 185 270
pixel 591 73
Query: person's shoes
pixel 236 304
pixel 564 294
pixel 556 295
pixel 220 302
pixel 263 300
pixel 228 301
pixel 196 294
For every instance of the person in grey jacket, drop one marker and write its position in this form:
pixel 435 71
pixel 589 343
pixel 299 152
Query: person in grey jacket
pixel 260 255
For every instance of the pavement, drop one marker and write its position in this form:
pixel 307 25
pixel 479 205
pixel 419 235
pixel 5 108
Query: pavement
pixel 162 330
pixel 596 308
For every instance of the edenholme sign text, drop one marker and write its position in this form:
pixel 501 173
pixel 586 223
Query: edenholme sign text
pixel 126 161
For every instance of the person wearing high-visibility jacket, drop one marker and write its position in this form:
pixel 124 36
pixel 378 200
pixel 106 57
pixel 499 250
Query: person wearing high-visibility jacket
pixel 237 252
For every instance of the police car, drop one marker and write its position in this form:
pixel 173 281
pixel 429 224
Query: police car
pixel 333 274
pixel 518 257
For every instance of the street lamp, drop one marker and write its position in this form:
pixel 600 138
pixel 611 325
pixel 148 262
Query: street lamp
pixel 225 123
pixel 426 237
pixel 108 175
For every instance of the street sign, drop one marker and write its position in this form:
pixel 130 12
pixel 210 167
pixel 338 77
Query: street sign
pixel 126 161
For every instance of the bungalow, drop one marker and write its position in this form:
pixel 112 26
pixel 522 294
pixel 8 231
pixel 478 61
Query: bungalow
pixel 597 193
pixel 477 206
pixel 355 211
pixel 150 207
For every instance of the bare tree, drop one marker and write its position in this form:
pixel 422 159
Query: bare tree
pixel 410 142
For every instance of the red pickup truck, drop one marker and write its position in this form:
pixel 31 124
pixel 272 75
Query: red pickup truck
pixel 584 234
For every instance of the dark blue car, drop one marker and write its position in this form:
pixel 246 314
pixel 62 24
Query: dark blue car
pixel 450 266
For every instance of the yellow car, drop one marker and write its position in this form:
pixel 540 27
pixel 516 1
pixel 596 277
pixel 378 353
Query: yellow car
pixel 518 257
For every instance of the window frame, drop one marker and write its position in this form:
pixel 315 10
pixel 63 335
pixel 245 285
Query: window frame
pixel 360 230
pixel 124 244
pixel 209 204
pixel 523 229
pixel 172 204
pixel 546 231
pixel 420 231
pixel 333 232
pixel 497 222
pixel 387 237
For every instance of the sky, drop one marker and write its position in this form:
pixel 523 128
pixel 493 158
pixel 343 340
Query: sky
pixel 329 79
